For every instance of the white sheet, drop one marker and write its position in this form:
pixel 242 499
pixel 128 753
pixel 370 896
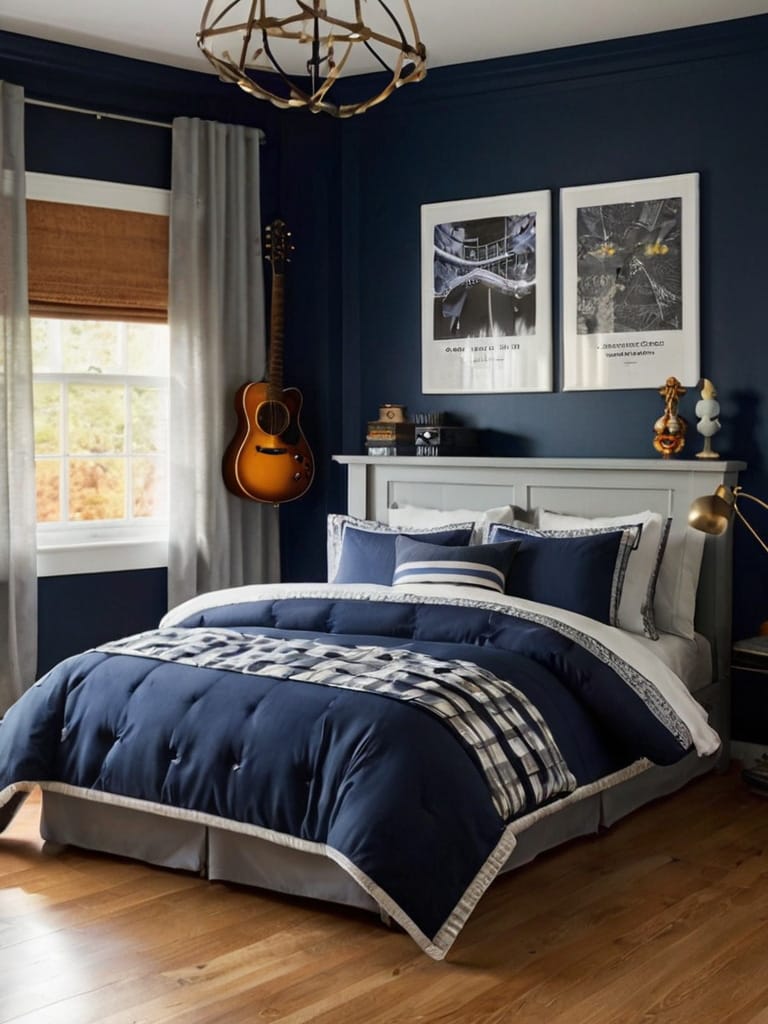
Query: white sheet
pixel 691 660
pixel 627 646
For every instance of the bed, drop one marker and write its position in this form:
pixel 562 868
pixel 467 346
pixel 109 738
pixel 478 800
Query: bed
pixel 395 742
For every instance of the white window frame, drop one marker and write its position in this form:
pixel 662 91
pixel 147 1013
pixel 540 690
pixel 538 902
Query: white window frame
pixel 75 548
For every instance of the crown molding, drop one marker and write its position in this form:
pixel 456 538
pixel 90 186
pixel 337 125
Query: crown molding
pixel 655 53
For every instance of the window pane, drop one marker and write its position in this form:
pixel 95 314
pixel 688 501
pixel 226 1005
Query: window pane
pixel 148 487
pixel 96 489
pixel 48 490
pixel 90 346
pixel 101 432
pixel 96 418
pixel 45 345
pixel 146 349
pixel 47 419
pixel 148 427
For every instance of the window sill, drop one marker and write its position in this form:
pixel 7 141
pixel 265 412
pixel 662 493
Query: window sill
pixel 101 556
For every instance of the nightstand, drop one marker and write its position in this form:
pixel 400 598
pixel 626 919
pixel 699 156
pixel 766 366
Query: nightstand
pixel 751 656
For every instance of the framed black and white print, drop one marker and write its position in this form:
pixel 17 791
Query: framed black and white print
pixel 630 266
pixel 486 295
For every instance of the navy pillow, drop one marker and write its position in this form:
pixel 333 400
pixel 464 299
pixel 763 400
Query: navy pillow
pixel 368 556
pixel 582 573
pixel 478 565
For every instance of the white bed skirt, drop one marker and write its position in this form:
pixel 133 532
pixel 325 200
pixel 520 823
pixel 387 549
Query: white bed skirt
pixel 225 855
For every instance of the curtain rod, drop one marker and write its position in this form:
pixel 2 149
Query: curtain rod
pixel 101 113
pixel 96 113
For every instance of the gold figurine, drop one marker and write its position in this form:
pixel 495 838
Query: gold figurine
pixel 671 427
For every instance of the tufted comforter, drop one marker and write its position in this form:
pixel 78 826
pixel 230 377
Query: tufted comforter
pixel 401 733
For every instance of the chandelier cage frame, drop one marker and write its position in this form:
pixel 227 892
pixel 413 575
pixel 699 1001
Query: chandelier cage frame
pixel 321 32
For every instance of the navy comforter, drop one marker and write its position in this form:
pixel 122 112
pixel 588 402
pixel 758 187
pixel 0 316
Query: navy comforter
pixel 407 762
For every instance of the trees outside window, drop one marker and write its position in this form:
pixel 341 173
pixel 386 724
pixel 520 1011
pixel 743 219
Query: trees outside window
pixel 101 421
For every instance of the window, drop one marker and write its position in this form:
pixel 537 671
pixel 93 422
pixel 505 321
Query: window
pixel 101 424
pixel 100 360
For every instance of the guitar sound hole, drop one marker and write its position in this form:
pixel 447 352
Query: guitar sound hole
pixel 272 418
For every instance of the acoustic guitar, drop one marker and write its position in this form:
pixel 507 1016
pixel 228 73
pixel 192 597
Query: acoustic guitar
pixel 268 459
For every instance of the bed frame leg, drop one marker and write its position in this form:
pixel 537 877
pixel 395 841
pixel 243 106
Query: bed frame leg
pixel 8 811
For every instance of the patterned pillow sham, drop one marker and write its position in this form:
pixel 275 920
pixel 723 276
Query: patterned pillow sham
pixel 578 570
pixel 636 608
pixel 363 550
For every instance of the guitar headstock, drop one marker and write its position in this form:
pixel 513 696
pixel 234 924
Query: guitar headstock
pixel 277 245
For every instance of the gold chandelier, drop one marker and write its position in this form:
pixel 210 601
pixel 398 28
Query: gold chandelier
pixel 244 39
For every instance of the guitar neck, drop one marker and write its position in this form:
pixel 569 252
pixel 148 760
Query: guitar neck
pixel 276 326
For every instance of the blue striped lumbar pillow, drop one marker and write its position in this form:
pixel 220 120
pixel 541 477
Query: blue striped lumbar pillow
pixel 479 565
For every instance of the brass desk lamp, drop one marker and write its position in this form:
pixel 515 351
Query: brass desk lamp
pixel 712 513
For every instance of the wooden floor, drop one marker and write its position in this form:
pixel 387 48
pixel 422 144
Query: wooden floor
pixel 663 919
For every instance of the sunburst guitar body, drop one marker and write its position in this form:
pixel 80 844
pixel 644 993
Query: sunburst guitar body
pixel 269 459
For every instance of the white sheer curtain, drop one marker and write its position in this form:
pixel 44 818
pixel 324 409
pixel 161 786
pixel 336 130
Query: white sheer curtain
pixel 18 552
pixel 216 315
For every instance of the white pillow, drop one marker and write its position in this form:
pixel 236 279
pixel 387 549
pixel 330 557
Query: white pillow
pixel 678 582
pixel 636 607
pixel 408 516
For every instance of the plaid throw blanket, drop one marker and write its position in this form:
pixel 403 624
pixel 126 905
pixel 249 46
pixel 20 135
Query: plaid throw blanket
pixel 510 740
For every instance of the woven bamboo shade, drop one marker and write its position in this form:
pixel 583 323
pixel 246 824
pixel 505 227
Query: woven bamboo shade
pixel 91 262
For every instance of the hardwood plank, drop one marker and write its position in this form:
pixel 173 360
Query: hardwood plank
pixel 659 921
pixel 540 961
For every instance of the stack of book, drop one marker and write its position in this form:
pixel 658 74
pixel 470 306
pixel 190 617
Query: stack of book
pixel 387 438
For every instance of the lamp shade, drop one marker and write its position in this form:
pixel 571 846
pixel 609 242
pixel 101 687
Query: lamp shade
pixel 712 513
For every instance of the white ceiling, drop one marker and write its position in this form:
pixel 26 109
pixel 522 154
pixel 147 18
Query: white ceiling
pixel 454 31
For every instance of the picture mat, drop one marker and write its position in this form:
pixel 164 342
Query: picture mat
pixel 638 358
pixel 518 355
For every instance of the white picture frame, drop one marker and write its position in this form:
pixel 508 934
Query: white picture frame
pixel 630 280
pixel 486 294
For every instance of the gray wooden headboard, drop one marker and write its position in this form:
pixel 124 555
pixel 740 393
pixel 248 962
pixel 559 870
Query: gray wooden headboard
pixel 577 486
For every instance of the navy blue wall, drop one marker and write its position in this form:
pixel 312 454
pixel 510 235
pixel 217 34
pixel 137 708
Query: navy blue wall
pixel 77 612
pixel 657 105
pixel 310 148
pixel 351 191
